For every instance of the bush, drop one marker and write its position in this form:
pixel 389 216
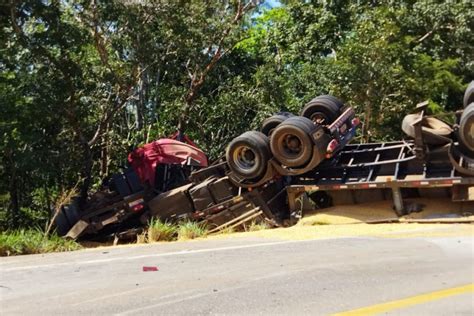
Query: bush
pixel 142 238
pixel 191 230
pixel 161 231
pixel 31 241
pixel 256 226
pixel 227 230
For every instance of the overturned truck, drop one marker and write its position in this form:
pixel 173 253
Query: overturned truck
pixel 312 154
pixel 266 175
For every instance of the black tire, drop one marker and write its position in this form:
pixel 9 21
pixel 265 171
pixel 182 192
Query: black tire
pixel 466 130
pixel 434 131
pixel 248 154
pixel 291 142
pixel 338 102
pixel 269 124
pixel 62 224
pixel 321 199
pixel 323 109
pixel 469 95
pixel 72 210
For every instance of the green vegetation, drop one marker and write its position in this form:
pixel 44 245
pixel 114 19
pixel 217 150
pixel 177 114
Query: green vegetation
pixel 142 238
pixel 31 241
pixel 256 226
pixel 227 230
pixel 191 230
pixel 161 231
pixel 165 231
pixel 83 82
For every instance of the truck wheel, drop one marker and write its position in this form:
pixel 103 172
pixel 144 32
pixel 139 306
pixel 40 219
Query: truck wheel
pixel 72 210
pixel 338 102
pixel 434 130
pixel 269 124
pixel 291 142
pixel 323 109
pixel 321 199
pixel 469 94
pixel 62 224
pixel 248 154
pixel 466 129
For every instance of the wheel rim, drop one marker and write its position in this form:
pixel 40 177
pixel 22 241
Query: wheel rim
pixel 291 145
pixel 319 118
pixel 245 159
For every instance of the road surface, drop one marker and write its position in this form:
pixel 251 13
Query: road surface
pixel 408 276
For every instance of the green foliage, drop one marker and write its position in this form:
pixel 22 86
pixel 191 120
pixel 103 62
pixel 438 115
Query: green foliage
pixel 161 231
pixel 256 226
pixel 32 241
pixel 378 58
pixel 226 231
pixel 191 230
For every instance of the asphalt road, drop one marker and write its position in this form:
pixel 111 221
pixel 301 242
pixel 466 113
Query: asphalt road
pixel 416 276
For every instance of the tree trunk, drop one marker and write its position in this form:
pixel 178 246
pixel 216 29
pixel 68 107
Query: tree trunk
pixel 86 172
pixel 367 118
pixel 104 153
pixel 182 123
pixel 140 105
pixel 156 104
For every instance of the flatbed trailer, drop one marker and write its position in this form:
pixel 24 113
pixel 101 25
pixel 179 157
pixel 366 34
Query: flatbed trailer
pixel 389 170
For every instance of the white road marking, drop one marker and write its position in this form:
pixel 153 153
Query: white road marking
pixel 102 298
pixel 166 254
pixel 134 311
pixel 188 252
pixel 206 293
pixel 49 298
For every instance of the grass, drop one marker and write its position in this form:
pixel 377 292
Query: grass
pixel 227 230
pixel 142 238
pixel 164 231
pixel 256 226
pixel 191 230
pixel 161 231
pixel 33 241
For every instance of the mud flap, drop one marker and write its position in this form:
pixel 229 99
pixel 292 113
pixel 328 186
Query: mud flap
pixel 77 230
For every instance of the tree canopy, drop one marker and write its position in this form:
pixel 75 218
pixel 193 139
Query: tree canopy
pixel 84 82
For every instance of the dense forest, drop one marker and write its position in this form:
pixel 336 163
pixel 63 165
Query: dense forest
pixel 84 82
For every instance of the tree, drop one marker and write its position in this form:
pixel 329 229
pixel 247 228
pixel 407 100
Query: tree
pixel 83 82
pixel 382 59
pixel 75 75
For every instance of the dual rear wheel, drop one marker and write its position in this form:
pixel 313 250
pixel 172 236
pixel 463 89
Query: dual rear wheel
pixel 247 155
pixel 285 137
pixel 323 109
pixel 466 130
pixel 291 142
